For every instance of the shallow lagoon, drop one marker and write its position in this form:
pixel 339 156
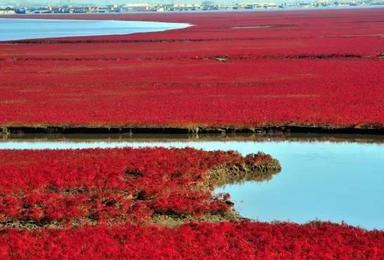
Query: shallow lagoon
pixel 22 29
pixel 320 180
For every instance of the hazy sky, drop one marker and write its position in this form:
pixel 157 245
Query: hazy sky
pixel 103 2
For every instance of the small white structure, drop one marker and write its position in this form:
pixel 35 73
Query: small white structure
pixel 138 7
pixel 7 11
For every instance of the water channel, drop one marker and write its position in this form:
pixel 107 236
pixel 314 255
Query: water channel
pixel 337 180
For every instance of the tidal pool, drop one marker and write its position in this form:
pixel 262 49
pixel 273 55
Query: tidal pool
pixel 320 180
pixel 21 29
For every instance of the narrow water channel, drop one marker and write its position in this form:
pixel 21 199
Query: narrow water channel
pixel 320 180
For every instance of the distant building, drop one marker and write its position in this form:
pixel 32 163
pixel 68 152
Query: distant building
pixel 20 10
pixel 138 7
pixel 209 5
pixel 7 10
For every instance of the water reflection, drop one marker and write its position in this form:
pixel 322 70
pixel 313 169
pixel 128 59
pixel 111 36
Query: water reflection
pixel 324 181
pixel 255 167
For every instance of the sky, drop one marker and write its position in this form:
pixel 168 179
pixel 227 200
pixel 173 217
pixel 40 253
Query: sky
pixel 96 2
pixel 104 2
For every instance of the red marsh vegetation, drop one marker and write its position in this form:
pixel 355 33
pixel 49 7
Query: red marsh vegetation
pixel 226 240
pixel 240 70
pixel 151 203
pixel 71 188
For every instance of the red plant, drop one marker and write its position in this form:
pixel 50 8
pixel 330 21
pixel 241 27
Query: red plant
pixel 242 240
pixel 101 203
pixel 118 184
pixel 230 69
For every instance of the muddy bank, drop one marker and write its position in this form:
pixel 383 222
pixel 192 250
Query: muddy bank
pixel 373 129
pixel 13 141
pixel 257 167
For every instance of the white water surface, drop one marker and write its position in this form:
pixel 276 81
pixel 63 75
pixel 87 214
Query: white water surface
pixel 22 29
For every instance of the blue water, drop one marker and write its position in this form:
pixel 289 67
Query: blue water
pixel 326 181
pixel 21 29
